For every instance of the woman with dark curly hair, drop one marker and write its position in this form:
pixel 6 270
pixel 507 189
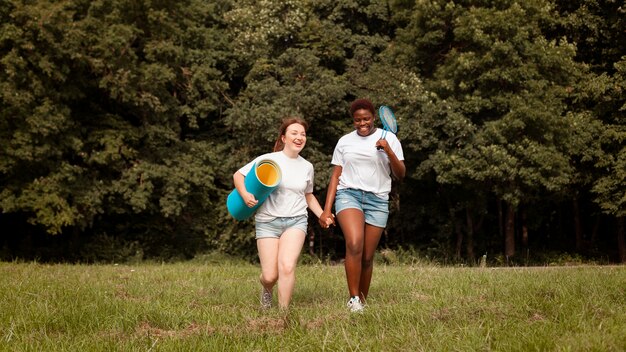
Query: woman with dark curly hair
pixel 359 189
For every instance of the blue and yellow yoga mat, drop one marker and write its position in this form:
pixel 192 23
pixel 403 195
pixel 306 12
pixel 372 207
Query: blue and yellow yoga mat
pixel 264 177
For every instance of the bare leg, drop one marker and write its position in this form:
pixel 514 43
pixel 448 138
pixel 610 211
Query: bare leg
pixel 352 222
pixel 268 256
pixel 372 237
pixel 289 248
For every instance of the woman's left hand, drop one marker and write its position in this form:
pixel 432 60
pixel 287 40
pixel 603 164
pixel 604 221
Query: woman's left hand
pixel 326 219
pixel 382 144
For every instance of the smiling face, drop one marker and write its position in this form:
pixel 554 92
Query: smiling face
pixel 363 120
pixel 294 138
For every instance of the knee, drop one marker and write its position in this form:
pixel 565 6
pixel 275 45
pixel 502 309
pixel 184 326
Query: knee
pixel 286 268
pixel 269 278
pixel 367 262
pixel 354 247
pixel 354 250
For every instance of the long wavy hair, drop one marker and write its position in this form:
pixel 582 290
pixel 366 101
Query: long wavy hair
pixel 279 145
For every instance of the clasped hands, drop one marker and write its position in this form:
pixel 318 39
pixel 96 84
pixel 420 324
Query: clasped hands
pixel 327 219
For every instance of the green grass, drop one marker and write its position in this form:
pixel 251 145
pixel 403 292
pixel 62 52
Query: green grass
pixel 214 307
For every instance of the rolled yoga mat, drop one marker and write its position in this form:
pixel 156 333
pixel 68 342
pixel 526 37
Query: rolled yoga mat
pixel 262 179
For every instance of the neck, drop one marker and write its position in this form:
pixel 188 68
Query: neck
pixel 290 153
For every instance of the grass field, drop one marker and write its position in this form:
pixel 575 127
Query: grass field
pixel 214 307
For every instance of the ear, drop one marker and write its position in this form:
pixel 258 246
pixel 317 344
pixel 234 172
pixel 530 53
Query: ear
pixel 282 138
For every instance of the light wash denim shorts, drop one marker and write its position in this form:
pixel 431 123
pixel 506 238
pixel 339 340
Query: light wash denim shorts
pixel 375 209
pixel 276 227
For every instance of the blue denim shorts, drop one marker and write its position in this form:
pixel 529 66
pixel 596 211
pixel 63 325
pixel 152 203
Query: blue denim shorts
pixel 375 209
pixel 276 227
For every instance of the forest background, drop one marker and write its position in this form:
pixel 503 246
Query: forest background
pixel 122 122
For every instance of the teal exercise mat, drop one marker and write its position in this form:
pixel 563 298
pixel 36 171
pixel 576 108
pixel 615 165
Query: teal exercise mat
pixel 262 179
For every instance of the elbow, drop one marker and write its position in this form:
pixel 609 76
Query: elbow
pixel 400 174
pixel 238 177
pixel 400 171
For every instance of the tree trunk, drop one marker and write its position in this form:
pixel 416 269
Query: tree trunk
pixel 594 232
pixel 500 219
pixel 469 243
pixel 311 241
pixel 621 239
pixel 459 237
pixel 509 232
pixel 524 229
pixel 578 228
pixel 458 231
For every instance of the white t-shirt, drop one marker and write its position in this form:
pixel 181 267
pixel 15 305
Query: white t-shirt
pixel 365 167
pixel 287 200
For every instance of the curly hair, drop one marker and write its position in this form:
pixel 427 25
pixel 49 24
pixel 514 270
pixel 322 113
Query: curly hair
pixel 362 103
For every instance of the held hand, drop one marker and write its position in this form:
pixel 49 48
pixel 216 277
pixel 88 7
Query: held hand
pixel 323 219
pixel 249 199
pixel 330 221
pixel 382 144
pixel 326 219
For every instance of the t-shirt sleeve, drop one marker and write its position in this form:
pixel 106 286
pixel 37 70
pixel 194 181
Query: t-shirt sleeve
pixel 338 155
pixel 246 168
pixel 310 182
pixel 396 146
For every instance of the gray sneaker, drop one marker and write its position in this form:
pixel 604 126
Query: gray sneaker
pixel 266 298
pixel 355 305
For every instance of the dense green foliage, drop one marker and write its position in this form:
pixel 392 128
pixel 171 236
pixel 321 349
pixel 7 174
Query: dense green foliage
pixel 121 123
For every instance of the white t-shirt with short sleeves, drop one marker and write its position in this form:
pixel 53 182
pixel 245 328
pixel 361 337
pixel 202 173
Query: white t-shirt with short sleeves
pixel 365 167
pixel 287 200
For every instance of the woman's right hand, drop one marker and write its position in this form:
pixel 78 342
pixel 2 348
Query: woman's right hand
pixel 249 200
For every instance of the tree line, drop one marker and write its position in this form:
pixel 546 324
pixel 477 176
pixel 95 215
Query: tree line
pixel 123 122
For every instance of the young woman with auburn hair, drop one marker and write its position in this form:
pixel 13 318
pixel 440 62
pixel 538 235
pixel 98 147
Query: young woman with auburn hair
pixel 281 221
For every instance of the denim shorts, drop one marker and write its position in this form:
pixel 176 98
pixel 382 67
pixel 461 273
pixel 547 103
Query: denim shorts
pixel 276 227
pixel 375 209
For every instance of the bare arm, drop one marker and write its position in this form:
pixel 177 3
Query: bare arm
pixel 313 204
pixel 397 166
pixel 330 195
pixel 248 198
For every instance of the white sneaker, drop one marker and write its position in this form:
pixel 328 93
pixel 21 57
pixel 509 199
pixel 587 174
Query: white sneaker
pixel 355 305
pixel 266 298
